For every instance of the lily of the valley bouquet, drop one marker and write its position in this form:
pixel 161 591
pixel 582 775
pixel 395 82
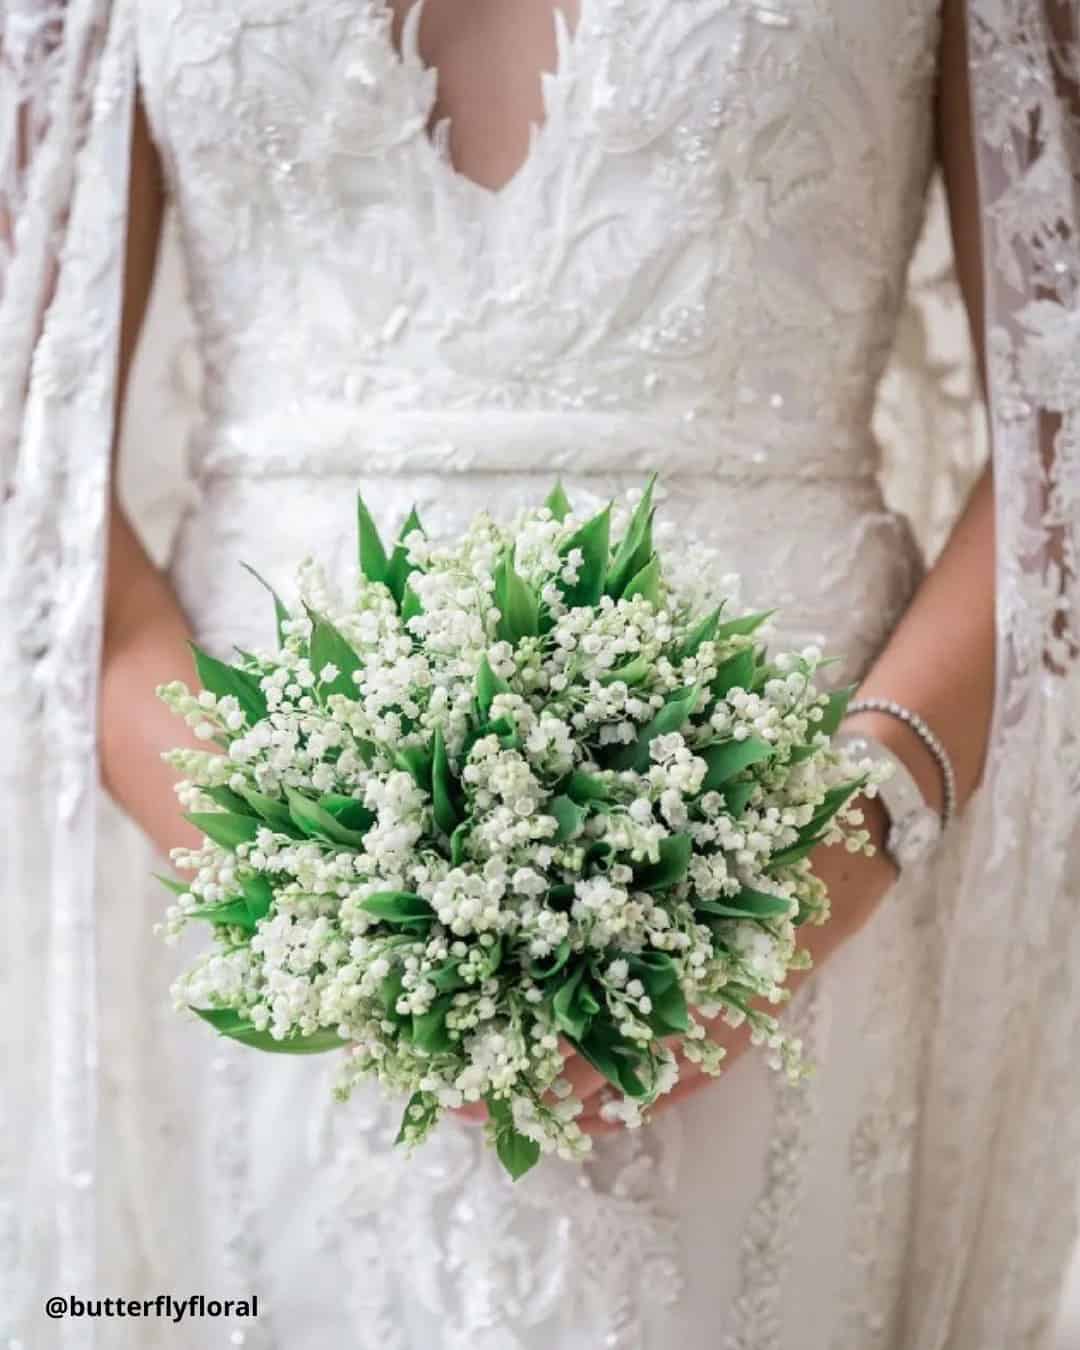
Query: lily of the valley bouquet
pixel 534 790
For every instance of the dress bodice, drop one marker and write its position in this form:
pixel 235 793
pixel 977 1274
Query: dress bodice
pixel 702 254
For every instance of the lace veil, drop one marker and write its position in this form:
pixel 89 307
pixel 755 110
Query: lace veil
pixel 1001 1127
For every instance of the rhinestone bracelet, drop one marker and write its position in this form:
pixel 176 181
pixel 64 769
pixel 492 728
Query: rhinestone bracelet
pixel 932 743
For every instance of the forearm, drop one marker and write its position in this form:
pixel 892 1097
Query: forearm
pixel 145 645
pixel 940 660
pixel 940 664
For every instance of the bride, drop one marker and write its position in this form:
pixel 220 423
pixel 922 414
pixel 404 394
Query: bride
pixel 441 254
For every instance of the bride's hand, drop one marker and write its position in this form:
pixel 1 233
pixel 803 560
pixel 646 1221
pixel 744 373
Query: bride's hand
pixel 856 883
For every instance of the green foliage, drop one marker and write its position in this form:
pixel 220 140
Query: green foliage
pixel 420 1114
pixel 728 758
pixel 671 867
pixel 373 561
pixel 223 681
pixel 557 502
pixel 635 549
pixel 835 709
pixel 442 786
pixel 488 684
pixel 281 614
pixel 398 566
pixel 318 823
pixel 749 623
pixel 517 1153
pixel 593 540
pixel 673 716
pixel 519 614
pixel 229 1022
pixel 748 904
pixel 225 828
pixel 645 583
pixel 737 672
pixel 570 817
pixel 399 907
pixel 326 646
pixel 705 631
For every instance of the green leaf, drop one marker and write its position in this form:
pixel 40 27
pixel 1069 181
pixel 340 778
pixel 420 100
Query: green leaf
pixel 398 907
pixel 542 968
pixel 656 970
pixel 737 797
pixel 670 869
pixel 731 757
pixel 230 912
pixel 635 548
pixel 447 978
pixel 834 800
pixel 593 541
pixel 737 672
pixel 347 811
pixel 705 631
pixel 318 823
pixel 457 843
pixel 177 887
pixel 228 1022
pixel 646 583
pixel 570 817
pixel 557 502
pixel 835 710
pixel 669 1011
pixel 415 760
pixel 748 904
pixel 749 623
pixel 390 991
pixel 399 568
pixel 488 684
pixel 630 673
pixel 609 1054
pixel 517 1153
pixel 373 562
pixel 225 828
pixel 519 615
pixel 258 896
pixel 671 717
pixel 429 1031
pixel 229 800
pixel 492 959
pixel 410 604
pixel 442 786
pixel 421 1110
pixel 569 1016
pixel 588 787
pixel 793 854
pixel 281 614
pixel 275 813
pixel 327 647
pixel 224 681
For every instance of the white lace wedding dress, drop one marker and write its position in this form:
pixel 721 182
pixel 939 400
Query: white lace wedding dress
pixel 697 269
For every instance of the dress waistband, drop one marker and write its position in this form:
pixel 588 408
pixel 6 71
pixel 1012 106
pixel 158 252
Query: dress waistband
pixel 330 440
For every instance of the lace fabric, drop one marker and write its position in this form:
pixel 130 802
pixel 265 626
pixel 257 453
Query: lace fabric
pixel 728 299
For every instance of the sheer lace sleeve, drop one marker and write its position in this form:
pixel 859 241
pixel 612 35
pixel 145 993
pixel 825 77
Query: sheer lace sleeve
pixel 1000 1149
pixel 66 84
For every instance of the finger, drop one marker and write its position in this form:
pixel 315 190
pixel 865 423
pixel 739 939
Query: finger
pixel 473 1113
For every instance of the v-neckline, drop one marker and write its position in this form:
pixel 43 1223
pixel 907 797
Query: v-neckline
pixel 409 62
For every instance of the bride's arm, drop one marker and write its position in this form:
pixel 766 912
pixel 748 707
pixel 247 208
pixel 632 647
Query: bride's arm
pixel 145 630
pixel 939 661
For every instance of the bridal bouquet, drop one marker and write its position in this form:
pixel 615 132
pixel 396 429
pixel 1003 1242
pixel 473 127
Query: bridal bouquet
pixel 526 792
